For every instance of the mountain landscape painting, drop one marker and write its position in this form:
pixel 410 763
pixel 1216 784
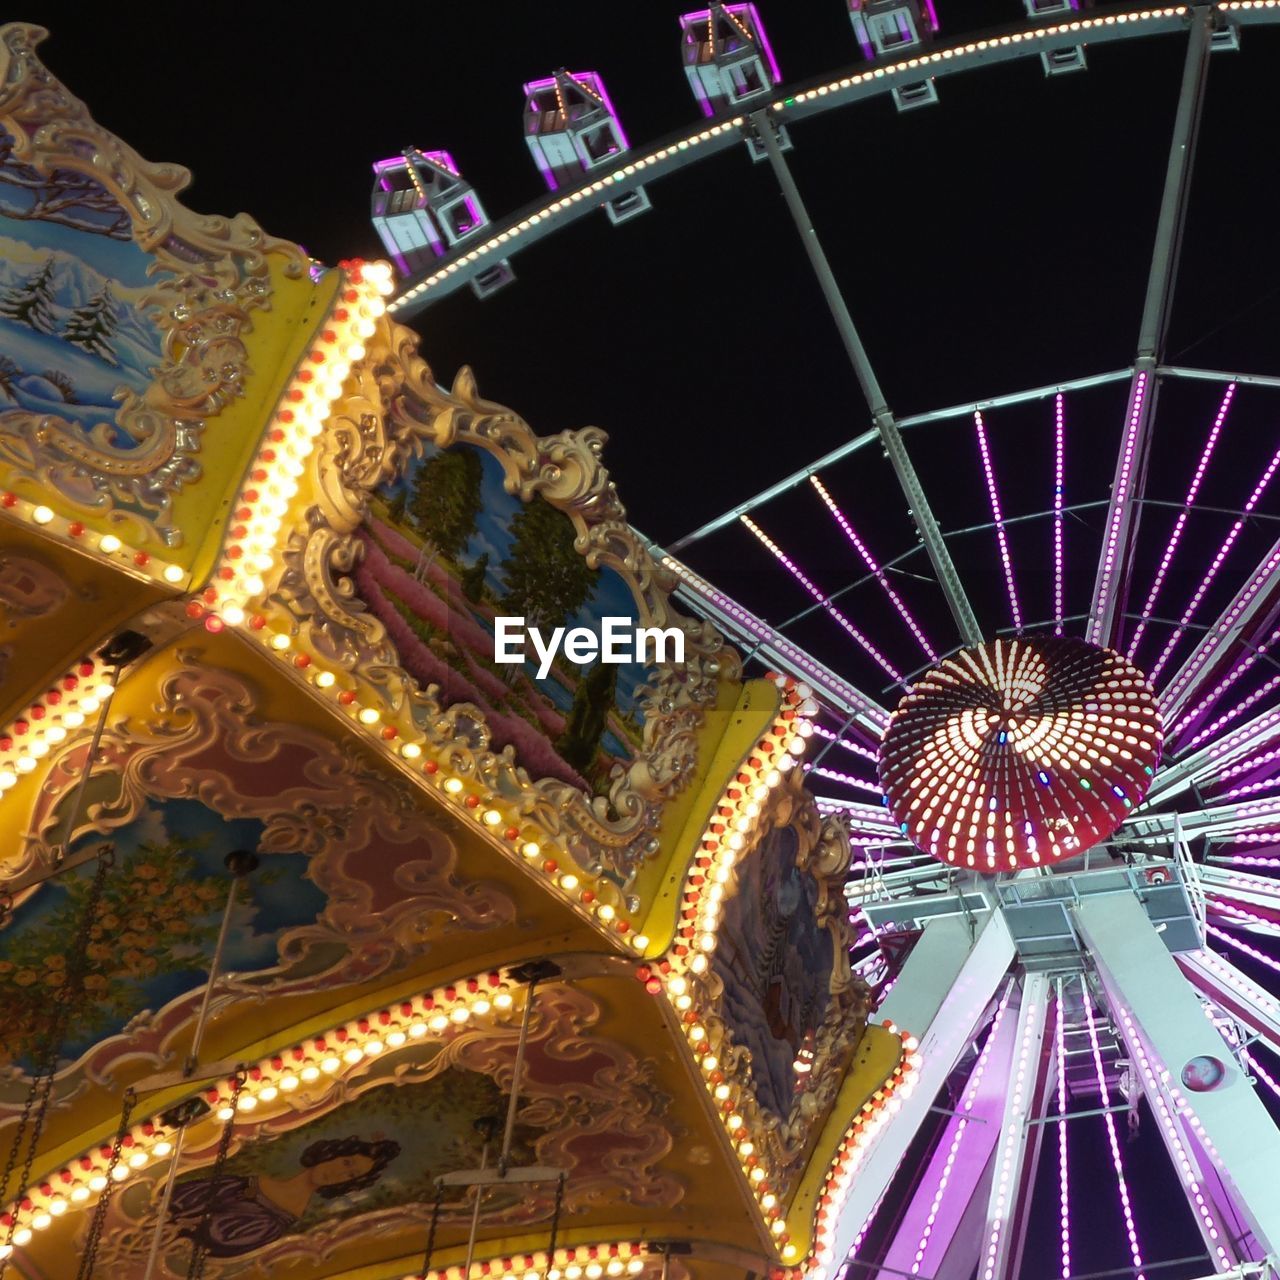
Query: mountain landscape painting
pixel 73 336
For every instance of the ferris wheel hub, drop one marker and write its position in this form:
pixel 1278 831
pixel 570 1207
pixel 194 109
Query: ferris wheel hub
pixel 1020 753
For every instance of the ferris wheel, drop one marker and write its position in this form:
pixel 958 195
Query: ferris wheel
pixel 1064 791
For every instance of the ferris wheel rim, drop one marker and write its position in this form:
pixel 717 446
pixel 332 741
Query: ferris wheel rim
pixel 806 99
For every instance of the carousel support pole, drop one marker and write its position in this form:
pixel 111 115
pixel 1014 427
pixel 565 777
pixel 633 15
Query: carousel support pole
pixel 533 972
pixel 119 652
pixel 881 415
pixel 1153 1002
pixel 487 1126
pixel 240 864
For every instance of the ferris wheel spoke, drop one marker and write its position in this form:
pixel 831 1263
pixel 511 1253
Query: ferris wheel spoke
pixel 1002 540
pixel 881 415
pixel 875 568
pixel 1216 821
pixel 1180 524
pixel 1242 610
pixel 1188 717
pixel 1028 1092
pixel 823 600
pixel 1158 1010
pixel 758 637
pixel 1242 750
pixel 1059 498
pixel 1243 886
pixel 1230 989
pixel 1114 563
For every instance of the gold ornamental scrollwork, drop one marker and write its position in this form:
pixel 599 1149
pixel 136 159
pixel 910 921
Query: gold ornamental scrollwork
pixel 392 410
pixel 210 274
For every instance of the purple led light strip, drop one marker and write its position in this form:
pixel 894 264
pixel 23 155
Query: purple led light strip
pixel 1264 575
pixel 1227 543
pixel 856 748
pixel 1180 524
pixel 792 568
pixel 1235 713
pixel 1059 484
pixel 1262 728
pixel 846 778
pixel 1181 1156
pixel 1252 952
pixel 1110 1121
pixel 825 680
pixel 1001 538
pixel 1263 1074
pixel 1064 1199
pixel 1011 1136
pixel 1118 513
pixel 1251 788
pixel 871 564
pixel 1189 717
pixel 1247 766
pixel 962 1125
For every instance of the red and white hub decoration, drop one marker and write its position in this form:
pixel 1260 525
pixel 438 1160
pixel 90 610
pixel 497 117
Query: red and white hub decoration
pixel 1017 753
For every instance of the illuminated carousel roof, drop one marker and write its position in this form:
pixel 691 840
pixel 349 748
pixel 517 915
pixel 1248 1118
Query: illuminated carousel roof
pixel 323 929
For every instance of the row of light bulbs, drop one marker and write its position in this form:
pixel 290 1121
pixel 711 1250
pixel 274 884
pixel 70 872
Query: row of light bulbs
pixel 859 1139
pixel 48 721
pixel 75 533
pixel 298 422
pixel 915 64
pixel 440 1014
pixel 583 1262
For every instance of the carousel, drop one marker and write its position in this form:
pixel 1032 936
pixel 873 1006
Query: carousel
pixel 330 945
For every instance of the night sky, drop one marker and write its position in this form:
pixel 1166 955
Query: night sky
pixel 997 241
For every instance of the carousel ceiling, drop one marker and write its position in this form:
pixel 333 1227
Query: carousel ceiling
pixel 324 930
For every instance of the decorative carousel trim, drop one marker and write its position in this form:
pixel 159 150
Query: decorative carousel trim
pixel 107 546
pixel 298 420
pixel 60 711
pixel 439 1012
pixel 767 792
pixel 438 1015
pixel 214 272
pixel 858 1139
pixel 387 418
pixel 573 1262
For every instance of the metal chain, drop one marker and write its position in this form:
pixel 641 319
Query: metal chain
pixel 40 1090
pixel 195 1270
pixel 555 1223
pixel 431 1230
pixel 89 1254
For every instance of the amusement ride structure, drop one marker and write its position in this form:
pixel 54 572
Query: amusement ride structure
pixel 331 948
pixel 1065 815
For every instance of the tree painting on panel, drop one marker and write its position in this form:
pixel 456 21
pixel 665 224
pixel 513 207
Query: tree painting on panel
pixel 447 549
pixel 73 331
pixel 150 938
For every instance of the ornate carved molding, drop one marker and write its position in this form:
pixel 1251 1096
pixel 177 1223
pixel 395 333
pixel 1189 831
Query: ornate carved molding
pixel 211 274
pixel 392 411
pixel 607 1131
